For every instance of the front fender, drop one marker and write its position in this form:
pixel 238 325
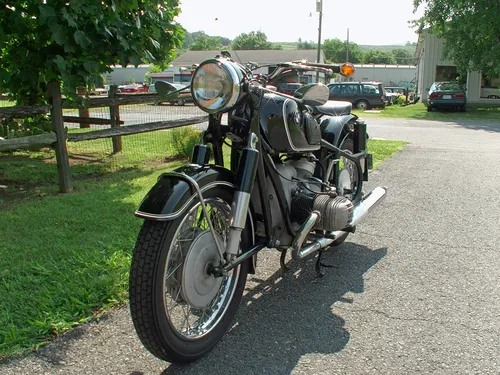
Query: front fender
pixel 172 194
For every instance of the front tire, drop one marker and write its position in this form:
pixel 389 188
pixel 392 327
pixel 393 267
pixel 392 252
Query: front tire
pixel 163 271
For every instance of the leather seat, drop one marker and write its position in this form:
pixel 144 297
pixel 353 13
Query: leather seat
pixel 334 108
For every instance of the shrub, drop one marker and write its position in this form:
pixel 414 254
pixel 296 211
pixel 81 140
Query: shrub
pixel 401 100
pixel 11 128
pixel 184 139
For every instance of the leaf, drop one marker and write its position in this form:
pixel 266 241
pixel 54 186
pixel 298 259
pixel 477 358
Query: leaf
pixel 108 31
pixel 81 39
pixel 91 66
pixel 155 43
pixel 60 62
pixel 46 14
pixel 58 34
pixel 135 60
pixel 71 21
pixel 150 56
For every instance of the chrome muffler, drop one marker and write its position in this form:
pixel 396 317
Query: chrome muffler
pixel 361 210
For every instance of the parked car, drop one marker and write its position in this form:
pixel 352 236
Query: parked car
pixel 490 92
pixel 98 91
pixel 164 88
pixel 362 95
pixel 446 95
pixel 133 88
pixel 288 87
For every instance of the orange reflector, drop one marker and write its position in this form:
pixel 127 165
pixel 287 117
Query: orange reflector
pixel 347 69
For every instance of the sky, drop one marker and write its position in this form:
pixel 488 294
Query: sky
pixel 370 22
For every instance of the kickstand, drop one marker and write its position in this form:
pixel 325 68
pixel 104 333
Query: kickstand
pixel 320 264
pixel 284 267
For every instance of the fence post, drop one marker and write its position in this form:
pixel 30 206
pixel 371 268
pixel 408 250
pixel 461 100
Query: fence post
pixel 63 169
pixel 114 116
pixel 83 112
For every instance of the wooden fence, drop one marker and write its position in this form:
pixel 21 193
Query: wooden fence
pixel 58 138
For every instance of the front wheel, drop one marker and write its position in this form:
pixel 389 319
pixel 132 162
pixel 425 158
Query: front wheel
pixel 180 310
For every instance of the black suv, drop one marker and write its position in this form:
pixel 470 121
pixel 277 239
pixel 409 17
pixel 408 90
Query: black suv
pixel 362 95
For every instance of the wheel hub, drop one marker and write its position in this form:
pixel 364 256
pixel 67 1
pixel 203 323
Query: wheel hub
pixel 198 286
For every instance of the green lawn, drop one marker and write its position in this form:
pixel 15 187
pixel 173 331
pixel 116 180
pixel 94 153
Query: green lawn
pixel 419 111
pixel 64 259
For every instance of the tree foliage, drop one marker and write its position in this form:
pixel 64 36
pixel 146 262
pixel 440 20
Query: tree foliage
pixel 206 43
pixel 402 56
pixel 305 44
pixel 191 38
pixel 379 57
pixel 252 41
pixel 75 41
pixel 471 30
pixel 336 51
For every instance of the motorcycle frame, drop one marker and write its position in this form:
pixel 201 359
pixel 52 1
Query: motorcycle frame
pixel 257 169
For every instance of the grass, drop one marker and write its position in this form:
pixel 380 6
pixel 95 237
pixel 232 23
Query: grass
pixel 419 111
pixel 64 259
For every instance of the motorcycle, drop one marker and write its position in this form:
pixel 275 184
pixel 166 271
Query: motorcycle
pixel 295 179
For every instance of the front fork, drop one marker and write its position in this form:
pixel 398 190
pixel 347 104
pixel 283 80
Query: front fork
pixel 245 178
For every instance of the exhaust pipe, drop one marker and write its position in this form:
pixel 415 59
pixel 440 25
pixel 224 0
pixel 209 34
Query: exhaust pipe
pixel 361 210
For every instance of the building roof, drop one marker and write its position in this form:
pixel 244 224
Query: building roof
pixel 243 56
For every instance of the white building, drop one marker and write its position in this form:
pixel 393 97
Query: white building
pixel 130 74
pixel 389 75
pixel 432 67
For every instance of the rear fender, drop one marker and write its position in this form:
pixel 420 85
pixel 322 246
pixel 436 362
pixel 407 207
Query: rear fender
pixel 333 128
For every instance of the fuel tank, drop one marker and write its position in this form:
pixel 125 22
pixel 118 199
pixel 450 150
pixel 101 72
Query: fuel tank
pixel 286 127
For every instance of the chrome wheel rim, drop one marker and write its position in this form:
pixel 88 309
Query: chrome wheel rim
pixel 187 321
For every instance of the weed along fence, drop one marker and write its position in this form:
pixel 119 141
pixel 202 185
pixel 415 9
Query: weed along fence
pixel 93 121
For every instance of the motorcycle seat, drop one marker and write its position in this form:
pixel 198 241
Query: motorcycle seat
pixel 333 108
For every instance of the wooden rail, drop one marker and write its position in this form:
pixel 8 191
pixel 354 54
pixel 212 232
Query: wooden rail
pixel 135 129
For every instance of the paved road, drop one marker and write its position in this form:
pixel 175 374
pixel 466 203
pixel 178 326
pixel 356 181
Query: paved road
pixel 416 291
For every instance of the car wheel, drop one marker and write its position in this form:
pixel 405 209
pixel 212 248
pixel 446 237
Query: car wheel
pixel 463 108
pixel 362 105
pixel 493 97
pixel 429 108
pixel 181 102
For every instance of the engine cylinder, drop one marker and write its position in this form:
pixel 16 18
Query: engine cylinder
pixel 335 212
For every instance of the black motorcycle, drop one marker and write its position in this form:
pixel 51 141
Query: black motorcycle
pixel 294 182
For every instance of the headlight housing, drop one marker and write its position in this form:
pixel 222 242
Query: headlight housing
pixel 216 85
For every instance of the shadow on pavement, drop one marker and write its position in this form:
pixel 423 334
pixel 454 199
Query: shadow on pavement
pixel 289 315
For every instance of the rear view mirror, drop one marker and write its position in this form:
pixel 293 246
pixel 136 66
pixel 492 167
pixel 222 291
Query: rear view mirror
pixel 166 90
pixel 313 94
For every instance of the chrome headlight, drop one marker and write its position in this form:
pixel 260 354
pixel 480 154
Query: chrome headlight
pixel 216 85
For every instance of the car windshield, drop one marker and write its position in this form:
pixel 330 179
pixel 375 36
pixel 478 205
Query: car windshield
pixel 449 86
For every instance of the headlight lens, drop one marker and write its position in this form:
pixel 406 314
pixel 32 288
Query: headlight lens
pixel 216 85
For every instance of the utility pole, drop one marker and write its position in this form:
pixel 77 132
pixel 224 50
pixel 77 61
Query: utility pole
pixel 347 47
pixel 319 9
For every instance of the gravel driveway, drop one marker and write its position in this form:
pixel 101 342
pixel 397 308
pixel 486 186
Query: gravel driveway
pixel 416 291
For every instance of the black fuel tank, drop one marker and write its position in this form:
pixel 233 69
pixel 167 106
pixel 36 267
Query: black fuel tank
pixel 284 125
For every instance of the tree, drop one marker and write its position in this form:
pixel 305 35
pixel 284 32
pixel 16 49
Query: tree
pixel 252 41
pixel 471 30
pixel 402 56
pixel 75 41
pixel 335 50
pixel 379 57
pixel 305 44
pixel 206 43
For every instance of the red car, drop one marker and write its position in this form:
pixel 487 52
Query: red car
pixel 134 88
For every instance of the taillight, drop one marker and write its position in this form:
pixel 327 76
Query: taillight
pixel 434 95
pixel 460 96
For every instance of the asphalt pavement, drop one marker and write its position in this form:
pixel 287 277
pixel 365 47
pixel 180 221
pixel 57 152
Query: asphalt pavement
pixel 416 289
